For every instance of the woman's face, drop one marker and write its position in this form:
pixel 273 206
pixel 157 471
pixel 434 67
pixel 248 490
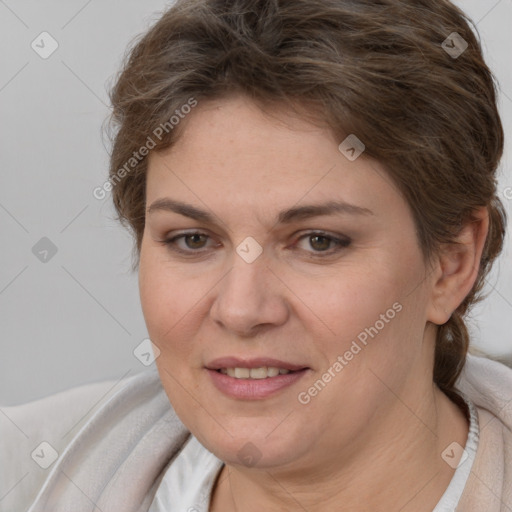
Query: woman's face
pixel 241 267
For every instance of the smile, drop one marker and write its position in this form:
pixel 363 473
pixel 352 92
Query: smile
pixel 263 372
pixel 258 383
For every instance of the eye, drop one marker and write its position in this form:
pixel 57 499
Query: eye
pixel 322 243
pixel 196 243
pixel 191 243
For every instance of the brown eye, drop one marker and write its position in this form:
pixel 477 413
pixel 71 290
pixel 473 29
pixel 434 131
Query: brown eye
pixel 188 244
pixel 322 244
pixel 319 242
pixel 195 240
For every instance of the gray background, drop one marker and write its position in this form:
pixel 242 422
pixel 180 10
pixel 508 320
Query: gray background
pixel 76 318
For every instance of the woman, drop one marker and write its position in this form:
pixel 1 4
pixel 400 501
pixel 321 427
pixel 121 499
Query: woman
pixel 311 189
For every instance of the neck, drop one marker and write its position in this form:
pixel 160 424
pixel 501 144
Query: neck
pixel 395 465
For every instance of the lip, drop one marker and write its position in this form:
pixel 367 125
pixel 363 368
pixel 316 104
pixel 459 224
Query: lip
pixel 253 389
pixel 258 362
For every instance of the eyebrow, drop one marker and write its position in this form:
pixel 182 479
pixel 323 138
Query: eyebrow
pixel 284 217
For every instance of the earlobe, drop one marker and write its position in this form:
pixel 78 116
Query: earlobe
pixel 458 265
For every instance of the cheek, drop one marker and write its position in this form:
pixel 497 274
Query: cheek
pixel 162 299
pixel 355 300
pixel 168 307
pixel 373 319
pixel 172 305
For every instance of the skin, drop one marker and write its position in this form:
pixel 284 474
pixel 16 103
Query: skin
pixel 372 438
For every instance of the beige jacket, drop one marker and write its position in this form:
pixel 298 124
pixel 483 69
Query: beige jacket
pixel 105 447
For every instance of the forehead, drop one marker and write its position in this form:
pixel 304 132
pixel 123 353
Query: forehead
pixel 231 151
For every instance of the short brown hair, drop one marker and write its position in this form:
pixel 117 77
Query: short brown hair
pixel 377 69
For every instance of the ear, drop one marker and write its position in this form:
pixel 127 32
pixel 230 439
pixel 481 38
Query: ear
pixel 457 268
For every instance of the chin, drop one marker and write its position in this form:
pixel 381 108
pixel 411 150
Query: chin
pixel 254 445
pixel 254 453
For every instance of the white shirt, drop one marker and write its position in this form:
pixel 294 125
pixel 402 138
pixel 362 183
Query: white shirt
pixel 450 499
pixel 190 477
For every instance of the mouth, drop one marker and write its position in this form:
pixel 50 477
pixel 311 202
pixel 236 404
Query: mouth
pixel 263 372
pixel 255 378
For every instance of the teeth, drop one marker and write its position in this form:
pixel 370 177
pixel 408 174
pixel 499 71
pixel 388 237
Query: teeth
pixel 258 373
pixel 254 373
pixel 242 373
pixel 272 372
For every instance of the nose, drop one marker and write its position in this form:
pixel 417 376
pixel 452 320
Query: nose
pixel 250 299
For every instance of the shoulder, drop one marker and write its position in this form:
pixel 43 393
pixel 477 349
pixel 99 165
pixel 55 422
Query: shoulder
pixel 37 437
pixel 34 433
pixel 488 384
pixel 54 413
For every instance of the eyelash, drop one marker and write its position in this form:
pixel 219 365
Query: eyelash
pixel 342 243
